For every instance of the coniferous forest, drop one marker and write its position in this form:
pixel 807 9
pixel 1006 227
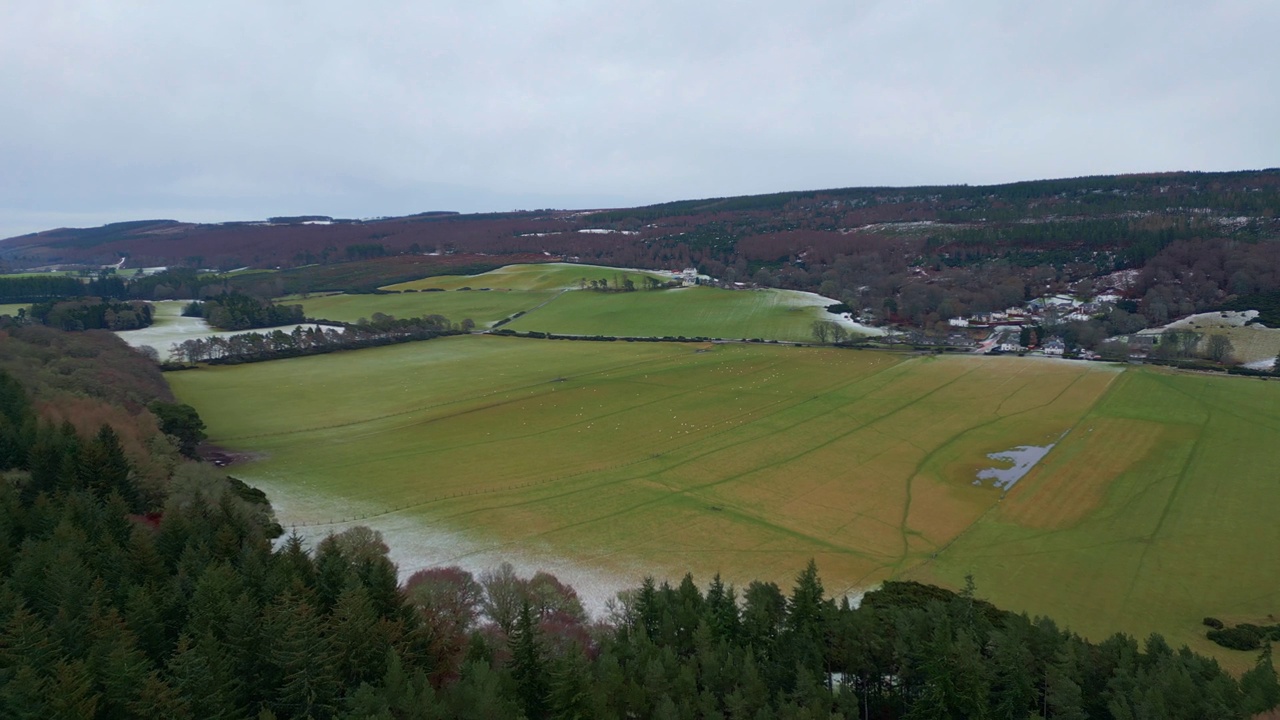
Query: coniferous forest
pixel 136 584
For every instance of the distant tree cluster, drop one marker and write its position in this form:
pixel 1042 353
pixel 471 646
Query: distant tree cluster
pixel 35 288
pixel 365 251
pixel 50 286
pixel 825 331
pixel 237 311
pixel 313 340
pixel 93 314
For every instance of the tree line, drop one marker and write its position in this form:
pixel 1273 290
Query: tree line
pixel 92 314
pixel 313 340
pixel 237 311
pixel 37 288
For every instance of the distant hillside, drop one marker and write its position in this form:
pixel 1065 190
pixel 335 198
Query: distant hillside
pixel 917 255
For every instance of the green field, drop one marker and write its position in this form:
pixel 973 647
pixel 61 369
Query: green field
pixel 1160 508
pixel 13 308
pixel 552 296
pixel 483 307
pixel 543 276
pixel 691 312
pixel 1156 509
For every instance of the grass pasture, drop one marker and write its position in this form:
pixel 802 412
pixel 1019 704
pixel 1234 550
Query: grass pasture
pixel 1156 508
pixel 692 312
pixel 526 278
pixel 483 307
pixel 13 308
pixel 551 295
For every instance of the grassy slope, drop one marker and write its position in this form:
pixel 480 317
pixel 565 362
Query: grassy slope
pixel 13 308
pixel 485 308
pixel 1163 510
pixel 692 312
pixel 544 276
pixel 1158 508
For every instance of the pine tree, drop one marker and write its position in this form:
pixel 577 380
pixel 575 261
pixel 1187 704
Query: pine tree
pixel 720 610
pixel 480 694
pixel 528 666
pixel 1062 691
pixel 408 695
pixel 104 469
pixel 569 694
pixel 302 659
pixel 23 694
pixel 805 622
pixel 1013 691
pixel 202 681
pixel 71 694
pixel 119 668
pixel 1261 691
pixel 359 639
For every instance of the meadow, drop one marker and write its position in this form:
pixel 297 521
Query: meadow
pixel 541 276
pixel 692 312
pixel 483 307
pixel 1158 509
pixel 551 298
pixel 1155 509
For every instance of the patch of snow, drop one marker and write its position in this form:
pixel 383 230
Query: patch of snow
pixel 799 298
pixel 171 327
pixel 1229 318
pixel 418 544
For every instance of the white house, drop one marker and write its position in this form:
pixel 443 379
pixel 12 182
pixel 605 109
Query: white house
pixel 1054 346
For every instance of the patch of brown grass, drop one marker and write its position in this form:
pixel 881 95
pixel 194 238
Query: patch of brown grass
pixel 1073 479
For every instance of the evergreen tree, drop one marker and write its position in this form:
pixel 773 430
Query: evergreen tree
pixel 1261 691
pixel 1062 692
pixel 720 610
pixel 24 694
pixel 359 639
pixel 71 693
pixel 528 665
pixel 301 658
pixel 569 695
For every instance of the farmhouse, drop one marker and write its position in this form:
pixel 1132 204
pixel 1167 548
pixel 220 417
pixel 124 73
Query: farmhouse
pixel 1146 339
pixel 1054 346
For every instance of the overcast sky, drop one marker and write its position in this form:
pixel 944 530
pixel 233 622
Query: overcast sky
pixel 241 109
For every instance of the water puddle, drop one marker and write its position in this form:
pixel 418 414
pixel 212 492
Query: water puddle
pixel 1021 459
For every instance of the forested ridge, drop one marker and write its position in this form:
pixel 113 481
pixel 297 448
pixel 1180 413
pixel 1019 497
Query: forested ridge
pixel 913 255
pixel 137 585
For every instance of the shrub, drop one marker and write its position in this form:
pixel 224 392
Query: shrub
pixel 1240 637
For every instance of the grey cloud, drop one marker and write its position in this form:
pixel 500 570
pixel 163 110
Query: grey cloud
pixel 242 109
